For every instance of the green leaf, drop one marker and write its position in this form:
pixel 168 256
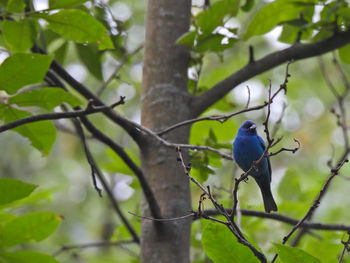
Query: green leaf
pixel 272 14
pixel 78 26
pixel 19 35
pixel 293 254
pixel 187 39
pixel 15 6
pixel 289 34
pixel 6 217
pixel 11 190
pixel 47 98
pixel 325 249
pixel 26 257
pixel 91 57
pixel 65 3
pixel 221 246
pixel 19 70
pixel 208 20
pixel 33 226
pixel 42 134
pixel 213 43
pixel 344 54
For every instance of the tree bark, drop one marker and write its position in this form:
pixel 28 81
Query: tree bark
pixel 165 101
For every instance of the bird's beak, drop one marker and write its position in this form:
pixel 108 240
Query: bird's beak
pixel 253 127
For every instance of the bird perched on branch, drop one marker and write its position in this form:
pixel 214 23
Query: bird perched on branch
pixel 248 148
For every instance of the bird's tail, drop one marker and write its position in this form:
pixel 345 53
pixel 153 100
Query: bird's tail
pixel 269 202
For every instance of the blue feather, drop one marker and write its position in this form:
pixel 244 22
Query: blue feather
pixel 247 148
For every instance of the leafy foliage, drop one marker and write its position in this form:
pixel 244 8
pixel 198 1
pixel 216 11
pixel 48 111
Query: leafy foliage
pixel 78 26
pixel 19 35
pixel 293 254
pixel 20 69
pixel 26 256
pixel 227 249
pixel 46 98
pixel 36 226
pixel 16 230
pixel 12 190
pixel 42 134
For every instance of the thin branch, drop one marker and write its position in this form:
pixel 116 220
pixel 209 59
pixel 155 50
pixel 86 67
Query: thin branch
pixel 270 142
pixel 175 145
pixel 253 213
pixel 341 119
pixel 125 59
pixel 101 178
pixel 224 117
pixel 90 245
pixel 84 91
pixel 284 219
pixel 90 109
pixel 91 161
pixel 346 248
pixel 232 226
pixel 316 203
pixel 295 52
pixel 148 193
pixel 220 118
pixel 283 149
pixel 163 219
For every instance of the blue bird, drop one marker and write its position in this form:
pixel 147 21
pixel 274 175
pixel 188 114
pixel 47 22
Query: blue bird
pixel 247 148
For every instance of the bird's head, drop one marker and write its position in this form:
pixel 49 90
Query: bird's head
pixel 247 128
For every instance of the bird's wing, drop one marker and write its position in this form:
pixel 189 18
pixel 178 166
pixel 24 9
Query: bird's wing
pixel 263 145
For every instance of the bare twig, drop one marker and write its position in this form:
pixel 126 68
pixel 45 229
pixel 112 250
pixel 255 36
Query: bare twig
pixel 174 145
pixel 90 245
pixel 90 109
pixel 124 60
pixel 346 248
pixel 341 120
pixel 315 204
pixel 84 91
pixel 283 149
pixel 270 142
pixel 220 118
pixel 148 193
pixel 96 172
pixel 284 219
pixel 231 225
pixel 163 219
pixel 94 169
pixel 253 213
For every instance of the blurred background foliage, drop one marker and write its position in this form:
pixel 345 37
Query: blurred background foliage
pixel 63 176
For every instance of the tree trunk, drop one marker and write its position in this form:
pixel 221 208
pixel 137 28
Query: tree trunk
pixel 165 101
